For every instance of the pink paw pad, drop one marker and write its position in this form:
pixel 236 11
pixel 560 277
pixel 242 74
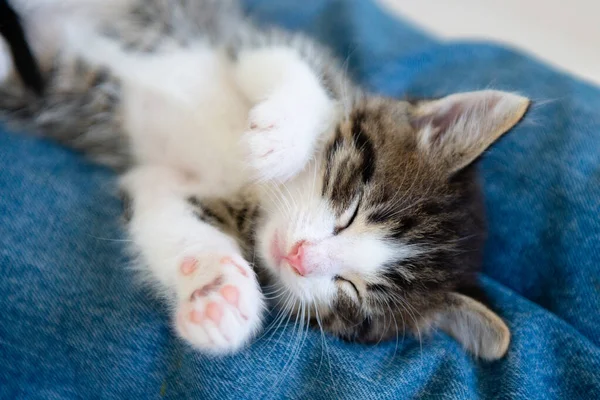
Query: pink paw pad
pixel 188 266
pixel 214 311
pixel 196 316
pixel 231 294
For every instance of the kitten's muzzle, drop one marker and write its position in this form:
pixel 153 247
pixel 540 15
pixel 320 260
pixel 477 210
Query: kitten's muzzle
pixel 296 258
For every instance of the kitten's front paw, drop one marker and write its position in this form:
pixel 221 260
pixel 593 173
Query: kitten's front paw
pixel 220 303
pixel 280 138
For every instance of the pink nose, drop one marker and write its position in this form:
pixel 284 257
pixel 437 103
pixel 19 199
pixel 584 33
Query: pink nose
pixel 296 258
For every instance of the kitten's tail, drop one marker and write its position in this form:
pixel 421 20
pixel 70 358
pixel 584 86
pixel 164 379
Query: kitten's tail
pixel 79 108
pixel 80 104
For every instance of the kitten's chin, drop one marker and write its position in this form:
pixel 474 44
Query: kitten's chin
pixel 309 291
pixel 269 251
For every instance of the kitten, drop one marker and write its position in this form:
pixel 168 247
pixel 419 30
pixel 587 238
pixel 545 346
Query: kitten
pixel 247 153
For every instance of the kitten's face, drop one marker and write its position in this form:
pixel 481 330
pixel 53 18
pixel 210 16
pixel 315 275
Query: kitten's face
pixel 379 232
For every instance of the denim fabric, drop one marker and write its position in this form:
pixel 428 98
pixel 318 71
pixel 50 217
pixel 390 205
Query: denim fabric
pixel 74 323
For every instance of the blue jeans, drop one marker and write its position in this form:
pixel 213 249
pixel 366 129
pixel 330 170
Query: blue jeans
pixel 74 323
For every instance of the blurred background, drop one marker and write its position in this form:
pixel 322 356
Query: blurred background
pixel 563 33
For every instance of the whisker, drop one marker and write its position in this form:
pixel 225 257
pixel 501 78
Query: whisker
pixel 109 239
pixel 280 317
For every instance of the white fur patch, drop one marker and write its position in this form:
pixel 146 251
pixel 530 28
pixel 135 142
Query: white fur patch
pixel 193 263
pixel 292 111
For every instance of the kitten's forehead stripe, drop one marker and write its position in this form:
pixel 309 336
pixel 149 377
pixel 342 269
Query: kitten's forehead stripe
pixel 350 161
pixel 347 184
pixel 330 155
pixel 365 146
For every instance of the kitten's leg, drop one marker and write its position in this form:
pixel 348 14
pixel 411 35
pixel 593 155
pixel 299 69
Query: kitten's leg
pixel 218 302
pixel 80 107
pixel 291 110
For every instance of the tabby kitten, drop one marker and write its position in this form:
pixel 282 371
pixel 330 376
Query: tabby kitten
pixel 247 153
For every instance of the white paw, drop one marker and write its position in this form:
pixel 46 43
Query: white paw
pixel 220 303
pixel 280 138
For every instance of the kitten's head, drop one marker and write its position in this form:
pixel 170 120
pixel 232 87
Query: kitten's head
pixel 383 232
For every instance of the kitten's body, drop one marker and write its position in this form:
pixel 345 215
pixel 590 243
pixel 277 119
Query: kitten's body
pixel 367 213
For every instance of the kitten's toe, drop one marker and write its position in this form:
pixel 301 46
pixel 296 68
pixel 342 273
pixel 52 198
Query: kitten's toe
pixel 265 117
pixel 276 143
pixel 221 314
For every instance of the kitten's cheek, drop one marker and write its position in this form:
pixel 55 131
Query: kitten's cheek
pixel 320 265
pixel 267 250
pixel 275 249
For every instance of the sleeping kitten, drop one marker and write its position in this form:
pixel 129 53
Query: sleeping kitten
pixel 248 153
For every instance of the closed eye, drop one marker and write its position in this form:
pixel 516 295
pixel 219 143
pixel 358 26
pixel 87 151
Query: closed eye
pixel 348 217
pixel 338 278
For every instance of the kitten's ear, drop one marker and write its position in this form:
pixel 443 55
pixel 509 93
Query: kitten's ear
pixel 475 326
pixel 456 129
